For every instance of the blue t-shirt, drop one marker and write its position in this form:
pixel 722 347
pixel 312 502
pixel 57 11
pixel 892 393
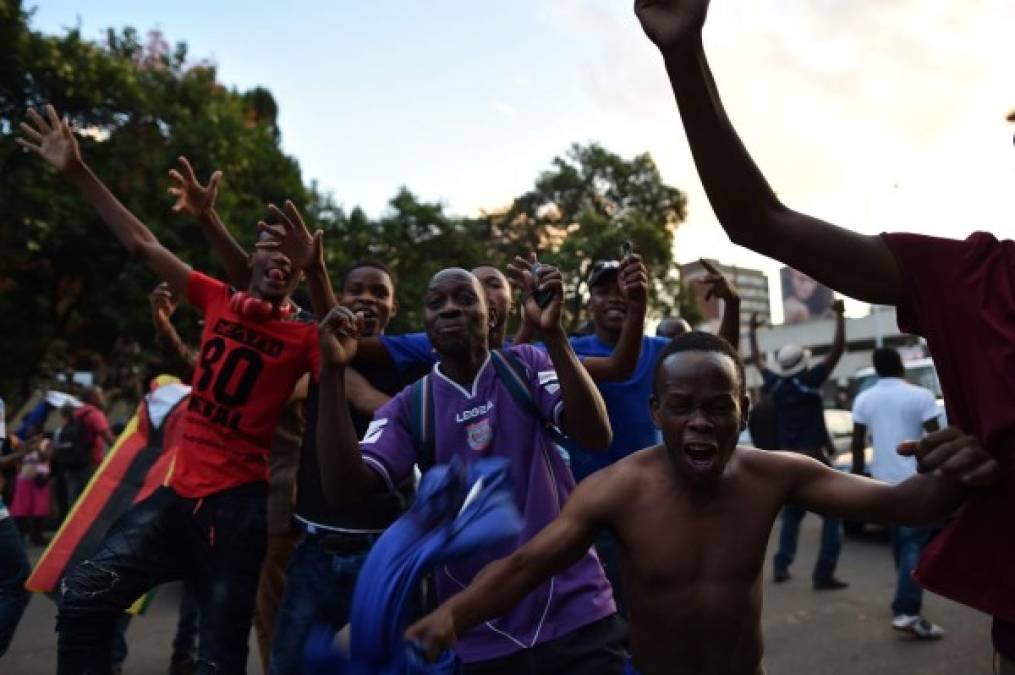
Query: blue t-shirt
pixel 627 404
pixel 412 349
pixel 799 407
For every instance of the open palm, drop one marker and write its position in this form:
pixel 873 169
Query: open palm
pixel 191 196
pixel 51 139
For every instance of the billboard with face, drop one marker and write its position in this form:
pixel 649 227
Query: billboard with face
pixel 804 299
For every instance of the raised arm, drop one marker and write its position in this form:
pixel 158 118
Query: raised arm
pixel 176 351
pixel 745 205
pixel 199 201
pixel 721 287
pixel 344 475
pixel 839 341
pixel 920 500
pixel 54 141
pixel 622 362
pixel 585 418
pixel 502 584
pixel 306 252
pixel 757 359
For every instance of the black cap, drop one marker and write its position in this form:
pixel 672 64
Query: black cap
pixel 603 270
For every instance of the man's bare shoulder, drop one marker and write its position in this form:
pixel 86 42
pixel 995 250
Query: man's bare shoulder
pixel 770 464
pixel 630 474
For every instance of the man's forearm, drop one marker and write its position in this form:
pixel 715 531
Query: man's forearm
pixel 131 232
pixel 585 417
pixel 756 358
pixel 344 476
pixel 230 254
pixel 322 295
pixel 176 351
pixel 748 208
pixel 735 186
pixel 925 499
pixel 493 592
pixel 621 364
pixel 729 329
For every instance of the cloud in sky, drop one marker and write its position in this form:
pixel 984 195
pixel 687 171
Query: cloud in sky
pixel 885 114
pixel 878 116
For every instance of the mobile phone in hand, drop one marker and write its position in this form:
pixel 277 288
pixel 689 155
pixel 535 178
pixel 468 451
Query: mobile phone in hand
pixel 543 297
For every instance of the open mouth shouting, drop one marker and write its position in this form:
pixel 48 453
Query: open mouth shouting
pixel 702 456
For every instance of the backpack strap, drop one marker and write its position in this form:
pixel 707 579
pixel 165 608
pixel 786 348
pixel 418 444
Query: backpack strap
pixel 513 375
pixel 421 422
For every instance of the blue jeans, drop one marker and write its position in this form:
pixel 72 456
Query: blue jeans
pixel 14 570
pixel 907 544
pixel 831 543
pixel 318 590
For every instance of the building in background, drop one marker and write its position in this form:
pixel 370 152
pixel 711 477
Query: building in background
pixel 751 284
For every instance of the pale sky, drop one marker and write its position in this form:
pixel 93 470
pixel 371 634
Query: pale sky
pixel 876 115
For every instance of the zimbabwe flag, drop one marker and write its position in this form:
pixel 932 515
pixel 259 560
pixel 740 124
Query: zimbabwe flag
pixel 138 463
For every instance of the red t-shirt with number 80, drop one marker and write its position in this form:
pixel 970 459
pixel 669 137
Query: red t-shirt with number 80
pixel 245 373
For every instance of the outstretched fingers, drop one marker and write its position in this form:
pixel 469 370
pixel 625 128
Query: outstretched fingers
pixel 39 123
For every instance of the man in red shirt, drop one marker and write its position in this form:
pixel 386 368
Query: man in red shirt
pixel 959 295
pixel 208 524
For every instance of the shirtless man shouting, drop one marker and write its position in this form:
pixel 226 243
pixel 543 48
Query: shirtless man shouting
pixel 692 517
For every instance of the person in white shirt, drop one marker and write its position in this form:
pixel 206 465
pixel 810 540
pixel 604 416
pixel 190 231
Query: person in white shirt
pixel 892 412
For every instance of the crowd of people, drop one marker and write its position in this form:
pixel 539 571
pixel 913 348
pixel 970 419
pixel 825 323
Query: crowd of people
pixel 644 524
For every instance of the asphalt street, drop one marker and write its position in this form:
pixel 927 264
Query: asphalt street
pixel 806 632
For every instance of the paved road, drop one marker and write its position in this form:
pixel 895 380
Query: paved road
pixel 829 633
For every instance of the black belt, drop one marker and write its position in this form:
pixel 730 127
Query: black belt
pixel 340 543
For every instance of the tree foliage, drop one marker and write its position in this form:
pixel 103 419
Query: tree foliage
pixel 141 103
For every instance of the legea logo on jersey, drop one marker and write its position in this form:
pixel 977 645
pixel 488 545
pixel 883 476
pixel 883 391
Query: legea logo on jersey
pixel 480 434
pixel 467 415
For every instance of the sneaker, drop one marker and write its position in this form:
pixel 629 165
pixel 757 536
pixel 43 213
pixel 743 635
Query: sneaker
pixel 830 584
pixel 918 627
pixel 780 576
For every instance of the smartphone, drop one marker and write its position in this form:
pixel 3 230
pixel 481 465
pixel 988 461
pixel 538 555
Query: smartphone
pixel 543 297
pixel 626 249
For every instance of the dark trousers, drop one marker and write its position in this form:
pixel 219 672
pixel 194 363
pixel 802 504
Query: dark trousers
pixel 318 590
pixel 75 482
pixel 216 542
pixel 907 544
pixel 14 570
pixel 831 542
pixel 595 649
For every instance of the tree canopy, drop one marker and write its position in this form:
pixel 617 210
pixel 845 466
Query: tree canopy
pixel 139 103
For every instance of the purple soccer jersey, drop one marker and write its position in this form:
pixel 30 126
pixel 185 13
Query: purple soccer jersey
pixel 486 422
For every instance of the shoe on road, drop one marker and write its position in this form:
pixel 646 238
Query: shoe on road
pixel 918 626
pixel 780 576
pixel 830 584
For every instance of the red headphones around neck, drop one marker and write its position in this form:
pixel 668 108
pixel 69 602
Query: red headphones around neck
pixel 259 309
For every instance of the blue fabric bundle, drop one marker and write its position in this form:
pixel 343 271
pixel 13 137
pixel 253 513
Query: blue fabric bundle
pixel 458 510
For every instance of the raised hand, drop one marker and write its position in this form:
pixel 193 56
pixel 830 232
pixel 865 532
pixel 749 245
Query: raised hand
pixel 434 633
pixel 668 23
pixel 191 196
pixel 163 303
pixel 633 279
pixel 338 334
pixel 954 453
pixel 294 240
pixel 531 276
pixel 718 285
pixel 51 139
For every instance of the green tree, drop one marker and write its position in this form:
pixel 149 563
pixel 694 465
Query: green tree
pixel 139 104
pixel 584 208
